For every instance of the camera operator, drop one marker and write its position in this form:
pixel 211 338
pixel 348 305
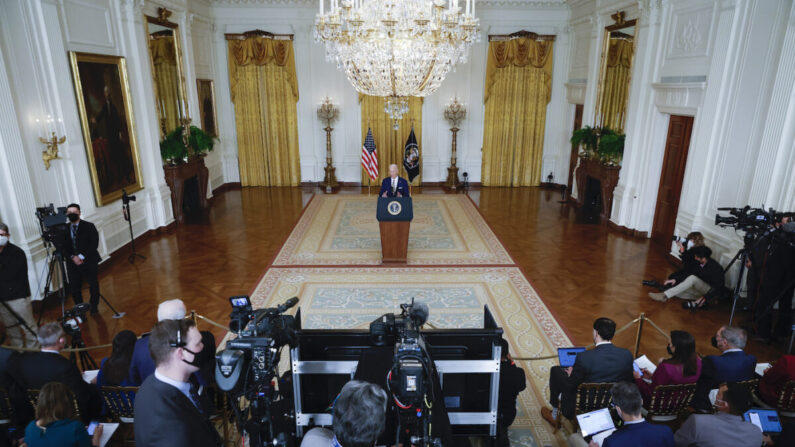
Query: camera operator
pixel 82 258
pixel 689 263
pixel 512 382
pixel 775 270
pixel 16 311
pixel 359 417
pixel 705 283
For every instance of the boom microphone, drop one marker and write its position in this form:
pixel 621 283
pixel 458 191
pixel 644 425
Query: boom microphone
pixel 419 313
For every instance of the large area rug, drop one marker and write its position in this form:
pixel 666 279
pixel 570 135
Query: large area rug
pixel 342 230
pixel 348 297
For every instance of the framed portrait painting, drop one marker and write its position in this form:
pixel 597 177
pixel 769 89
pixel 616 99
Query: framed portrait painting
pixel 207 106
pixel 106 116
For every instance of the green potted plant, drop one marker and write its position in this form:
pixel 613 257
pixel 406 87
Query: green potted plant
pixel 611 147
pixel 173 149
pixel 588 138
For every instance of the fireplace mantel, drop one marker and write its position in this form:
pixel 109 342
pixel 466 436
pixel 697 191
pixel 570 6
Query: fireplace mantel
pixel 176 175
pixel 608 179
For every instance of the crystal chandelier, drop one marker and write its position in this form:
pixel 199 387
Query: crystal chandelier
pixel 396 48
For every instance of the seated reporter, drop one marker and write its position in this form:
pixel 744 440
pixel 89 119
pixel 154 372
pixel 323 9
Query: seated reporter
pixel 170 410
pixel 635 431
pixel 733 365
pixel 704 283
pixel 684 366
pixel 359 417
pixel 54 425
pixel 115 370
pixel 604 363
pixel 725 428
pixel 512 382
pixel 32 370
pixel 775 378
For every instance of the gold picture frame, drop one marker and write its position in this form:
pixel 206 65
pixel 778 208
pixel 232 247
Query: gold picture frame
pixel 208 119
pixel 103 97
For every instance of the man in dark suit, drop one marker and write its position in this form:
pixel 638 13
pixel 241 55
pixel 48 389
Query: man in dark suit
pixel 635 431
pixel 604 363
pixel 733 365
pixel 82 257
pixel 394 186
pixel 32 370
pixel 169 409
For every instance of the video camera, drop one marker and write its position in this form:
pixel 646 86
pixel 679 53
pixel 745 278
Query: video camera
pixel 52 224
pixel 73 318
pixel 747 219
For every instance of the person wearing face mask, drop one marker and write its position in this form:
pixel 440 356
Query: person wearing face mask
pixel 170 410
pixel 604 363
pixel 704 283
pixel 733 365
pixel 81 255
pixel 725 428
pixel 684 366
pixel 16 311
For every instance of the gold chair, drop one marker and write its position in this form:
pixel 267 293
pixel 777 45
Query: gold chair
pixel 120 402
pixel 33 397
pixel 785 405
pixel 590 397
pixel 6 410
pixel 669 402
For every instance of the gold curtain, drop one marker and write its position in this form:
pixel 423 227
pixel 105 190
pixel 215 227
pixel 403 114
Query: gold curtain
pixel 164 61
pixel 264 90
pixel 390 143
pixel 618 67
pixel 518 89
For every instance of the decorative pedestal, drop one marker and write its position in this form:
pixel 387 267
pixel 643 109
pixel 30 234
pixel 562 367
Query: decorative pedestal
pixel 176 175
pixel 608 179
pixel 452 181
pixel 330 180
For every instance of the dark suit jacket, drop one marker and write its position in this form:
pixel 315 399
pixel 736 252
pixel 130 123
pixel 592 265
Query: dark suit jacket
pixel 603 364
pixel 32 370
pixel 13 273
pixel 402 187
pixel 715 369
pixel 641 434
pixel 166 417
pixel 141 364
pixel 87 242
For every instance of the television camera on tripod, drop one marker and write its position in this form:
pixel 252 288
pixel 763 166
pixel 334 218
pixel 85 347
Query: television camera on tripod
pixel 246 368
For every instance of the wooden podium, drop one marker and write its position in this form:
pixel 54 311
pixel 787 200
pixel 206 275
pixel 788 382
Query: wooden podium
pixel 394 218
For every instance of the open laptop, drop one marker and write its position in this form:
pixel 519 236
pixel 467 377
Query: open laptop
pixel 766 419
pixel 596 424
pixel 566 356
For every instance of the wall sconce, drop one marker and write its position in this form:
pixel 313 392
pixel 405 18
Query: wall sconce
pixel 454 113
pixel 328 112
pixel 49 126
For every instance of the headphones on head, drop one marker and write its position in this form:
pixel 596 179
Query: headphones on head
pixel 179 343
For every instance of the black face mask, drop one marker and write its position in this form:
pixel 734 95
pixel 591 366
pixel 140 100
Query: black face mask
pixel 714 342
pixel 73 217
pixel 198 358
pixel 668 348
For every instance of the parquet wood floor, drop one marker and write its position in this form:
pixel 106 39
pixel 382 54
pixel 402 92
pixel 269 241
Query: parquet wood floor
pixel 581 271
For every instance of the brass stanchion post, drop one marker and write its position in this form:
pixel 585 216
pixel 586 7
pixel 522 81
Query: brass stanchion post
pixel 641 319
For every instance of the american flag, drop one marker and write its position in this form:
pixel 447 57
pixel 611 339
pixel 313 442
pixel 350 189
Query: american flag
pixel 370 156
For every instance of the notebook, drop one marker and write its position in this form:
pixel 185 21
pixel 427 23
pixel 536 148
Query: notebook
pixel 595 422
pixel 568 355
pixel 767 420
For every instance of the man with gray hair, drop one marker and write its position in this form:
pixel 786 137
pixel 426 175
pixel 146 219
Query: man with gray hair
pixel 733 365
pixel 32 370
pixel 16 311
pixel 142 365
pixel 359 418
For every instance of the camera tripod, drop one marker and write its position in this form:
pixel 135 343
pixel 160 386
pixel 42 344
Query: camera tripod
pixel 85 359
pixel 125 209
pixel 53 259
